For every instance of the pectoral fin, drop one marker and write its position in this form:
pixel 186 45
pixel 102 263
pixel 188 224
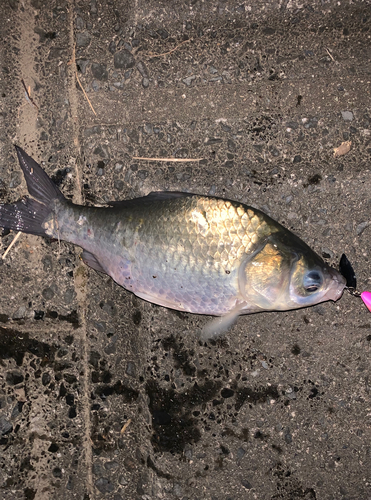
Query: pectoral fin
pixel 218 326
pixel 91 261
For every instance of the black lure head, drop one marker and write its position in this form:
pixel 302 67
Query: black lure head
pixel 346 269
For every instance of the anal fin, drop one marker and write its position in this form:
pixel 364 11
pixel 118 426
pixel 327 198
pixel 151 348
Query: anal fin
pixel 91 261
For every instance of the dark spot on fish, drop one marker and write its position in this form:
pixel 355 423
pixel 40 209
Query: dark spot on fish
pixel 154 277
pixel 227 272
pixel 295 350
pixel 315 179
pixel 137 317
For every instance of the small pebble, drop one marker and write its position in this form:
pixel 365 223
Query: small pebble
pixel 112 47
pixel 246 484
pixel 347 116
pixel 142 68
pixel 104 485
pixel 188 81
pixel 124 60
pixel 361 227
pixel 82 39
pixel 14 377
pixel 5 426
pixel 95 85
pixel 99 71
pixel 288 436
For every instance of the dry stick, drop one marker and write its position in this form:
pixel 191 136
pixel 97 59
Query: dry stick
pixel 166 159
pixel 12 243
pixel 126 425
pixel 86 97
pixel 73 61
pixel 329 53
pixel 28 94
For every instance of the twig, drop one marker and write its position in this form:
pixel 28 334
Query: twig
pixel 329 53
pixel 167 159
pixel 73 61
pixel 86 97
pixel 153 54
pixel 125 426
pixel 28 94
pixel 12 243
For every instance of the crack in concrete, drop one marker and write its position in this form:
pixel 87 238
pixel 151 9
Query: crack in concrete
pixel 80 274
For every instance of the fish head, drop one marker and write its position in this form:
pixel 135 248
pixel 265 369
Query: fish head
pixel 284 273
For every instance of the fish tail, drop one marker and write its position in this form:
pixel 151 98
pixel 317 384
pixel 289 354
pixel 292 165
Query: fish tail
pixel 29 214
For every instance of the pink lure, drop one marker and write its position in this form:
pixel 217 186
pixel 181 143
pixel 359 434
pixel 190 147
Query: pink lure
pixel 366 297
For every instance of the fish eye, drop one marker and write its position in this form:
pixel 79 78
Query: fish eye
pixel 312 281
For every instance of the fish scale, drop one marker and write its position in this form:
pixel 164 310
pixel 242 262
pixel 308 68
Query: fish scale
pixel 175 251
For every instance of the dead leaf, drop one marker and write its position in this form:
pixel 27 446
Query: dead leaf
pixel 343 149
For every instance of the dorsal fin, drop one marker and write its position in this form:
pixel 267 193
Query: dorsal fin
pixel 150 198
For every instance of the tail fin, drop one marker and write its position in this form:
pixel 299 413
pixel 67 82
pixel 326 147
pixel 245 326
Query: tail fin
pixel 28 215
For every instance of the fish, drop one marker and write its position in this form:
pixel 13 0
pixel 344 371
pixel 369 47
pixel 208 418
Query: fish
pixel 188 252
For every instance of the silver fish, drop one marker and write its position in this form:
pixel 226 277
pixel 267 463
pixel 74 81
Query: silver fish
pixel 183 251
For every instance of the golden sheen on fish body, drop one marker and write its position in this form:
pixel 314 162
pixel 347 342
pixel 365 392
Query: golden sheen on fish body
pixel 183 251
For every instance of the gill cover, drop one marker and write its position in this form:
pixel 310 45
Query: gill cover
pixel 265 276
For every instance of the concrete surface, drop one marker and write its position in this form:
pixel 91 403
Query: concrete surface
pixel 103 395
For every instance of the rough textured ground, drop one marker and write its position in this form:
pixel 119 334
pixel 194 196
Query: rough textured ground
pixel 262 92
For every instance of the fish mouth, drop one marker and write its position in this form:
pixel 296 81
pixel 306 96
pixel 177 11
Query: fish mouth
pixel 336 286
